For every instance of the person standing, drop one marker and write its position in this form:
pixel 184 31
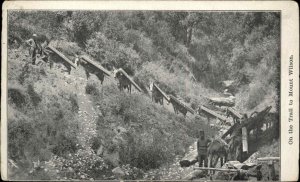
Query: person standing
pixel 37 46
pixel 202 149
pixel 34 48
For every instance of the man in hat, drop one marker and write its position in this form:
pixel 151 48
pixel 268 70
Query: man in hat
pixel 37 45
pixel 202 149
pixel 77 59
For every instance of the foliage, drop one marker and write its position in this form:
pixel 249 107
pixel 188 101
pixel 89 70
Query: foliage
pixel 112 53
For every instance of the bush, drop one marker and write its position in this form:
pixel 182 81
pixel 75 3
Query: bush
pixel 111 54
pixel 35 98
pixel 16 96
pixel 91 88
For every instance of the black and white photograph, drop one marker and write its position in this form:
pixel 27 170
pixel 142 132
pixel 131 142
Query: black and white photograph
pixel 144 94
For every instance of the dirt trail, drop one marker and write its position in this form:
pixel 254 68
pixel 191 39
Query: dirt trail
pixel 86 112
pixel 75 83
pixel 89 116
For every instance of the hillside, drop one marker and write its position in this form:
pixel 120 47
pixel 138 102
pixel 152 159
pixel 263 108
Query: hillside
pixel 63 126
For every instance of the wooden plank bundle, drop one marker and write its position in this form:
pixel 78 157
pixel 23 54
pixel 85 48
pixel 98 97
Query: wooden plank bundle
pixel 62 56
pixel 220 101
pixel 182 104
pixel 130 79
pixel 230 130
pixel 234 112
pixel 97 65
pixel 212 113
pixel 162 92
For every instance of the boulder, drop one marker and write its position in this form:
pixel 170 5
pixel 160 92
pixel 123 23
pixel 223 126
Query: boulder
pixel 189 159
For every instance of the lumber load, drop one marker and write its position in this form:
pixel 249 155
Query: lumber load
pixel 230 130
pixel 95 64
pixel 61 56
pixel 130 79
pixel 162 92
pixel 223 101
pixel 234 113
pixel 212 113
pixel 249 123
pixel 189 159
pixel 256 120
pixel 181 103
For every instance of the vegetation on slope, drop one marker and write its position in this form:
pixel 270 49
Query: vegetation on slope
pixel 188 53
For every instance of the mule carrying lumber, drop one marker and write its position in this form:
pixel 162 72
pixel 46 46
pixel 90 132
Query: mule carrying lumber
pixel 95 64
pixel 62 56
pixel 182 104
pixel 212 113
pixel 130 79
pixel 162 92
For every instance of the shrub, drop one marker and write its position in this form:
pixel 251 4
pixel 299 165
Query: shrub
pixel 35 98
pixel 110 53
pixel 16 96
pixel 92 89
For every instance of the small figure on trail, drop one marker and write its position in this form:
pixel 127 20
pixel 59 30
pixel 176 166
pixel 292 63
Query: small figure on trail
pixel 202 149
pixel 77 59
pixel 37 46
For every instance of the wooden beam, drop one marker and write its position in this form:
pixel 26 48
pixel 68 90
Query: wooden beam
pixel 162 92
pixel 130 79
pixel 230 130
pixel 244 139
pixel 268 158
pixel 218 169
pixel 182 104
pixel 213 113
pixel 234 112
pixel 97 65
pixel 62 56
